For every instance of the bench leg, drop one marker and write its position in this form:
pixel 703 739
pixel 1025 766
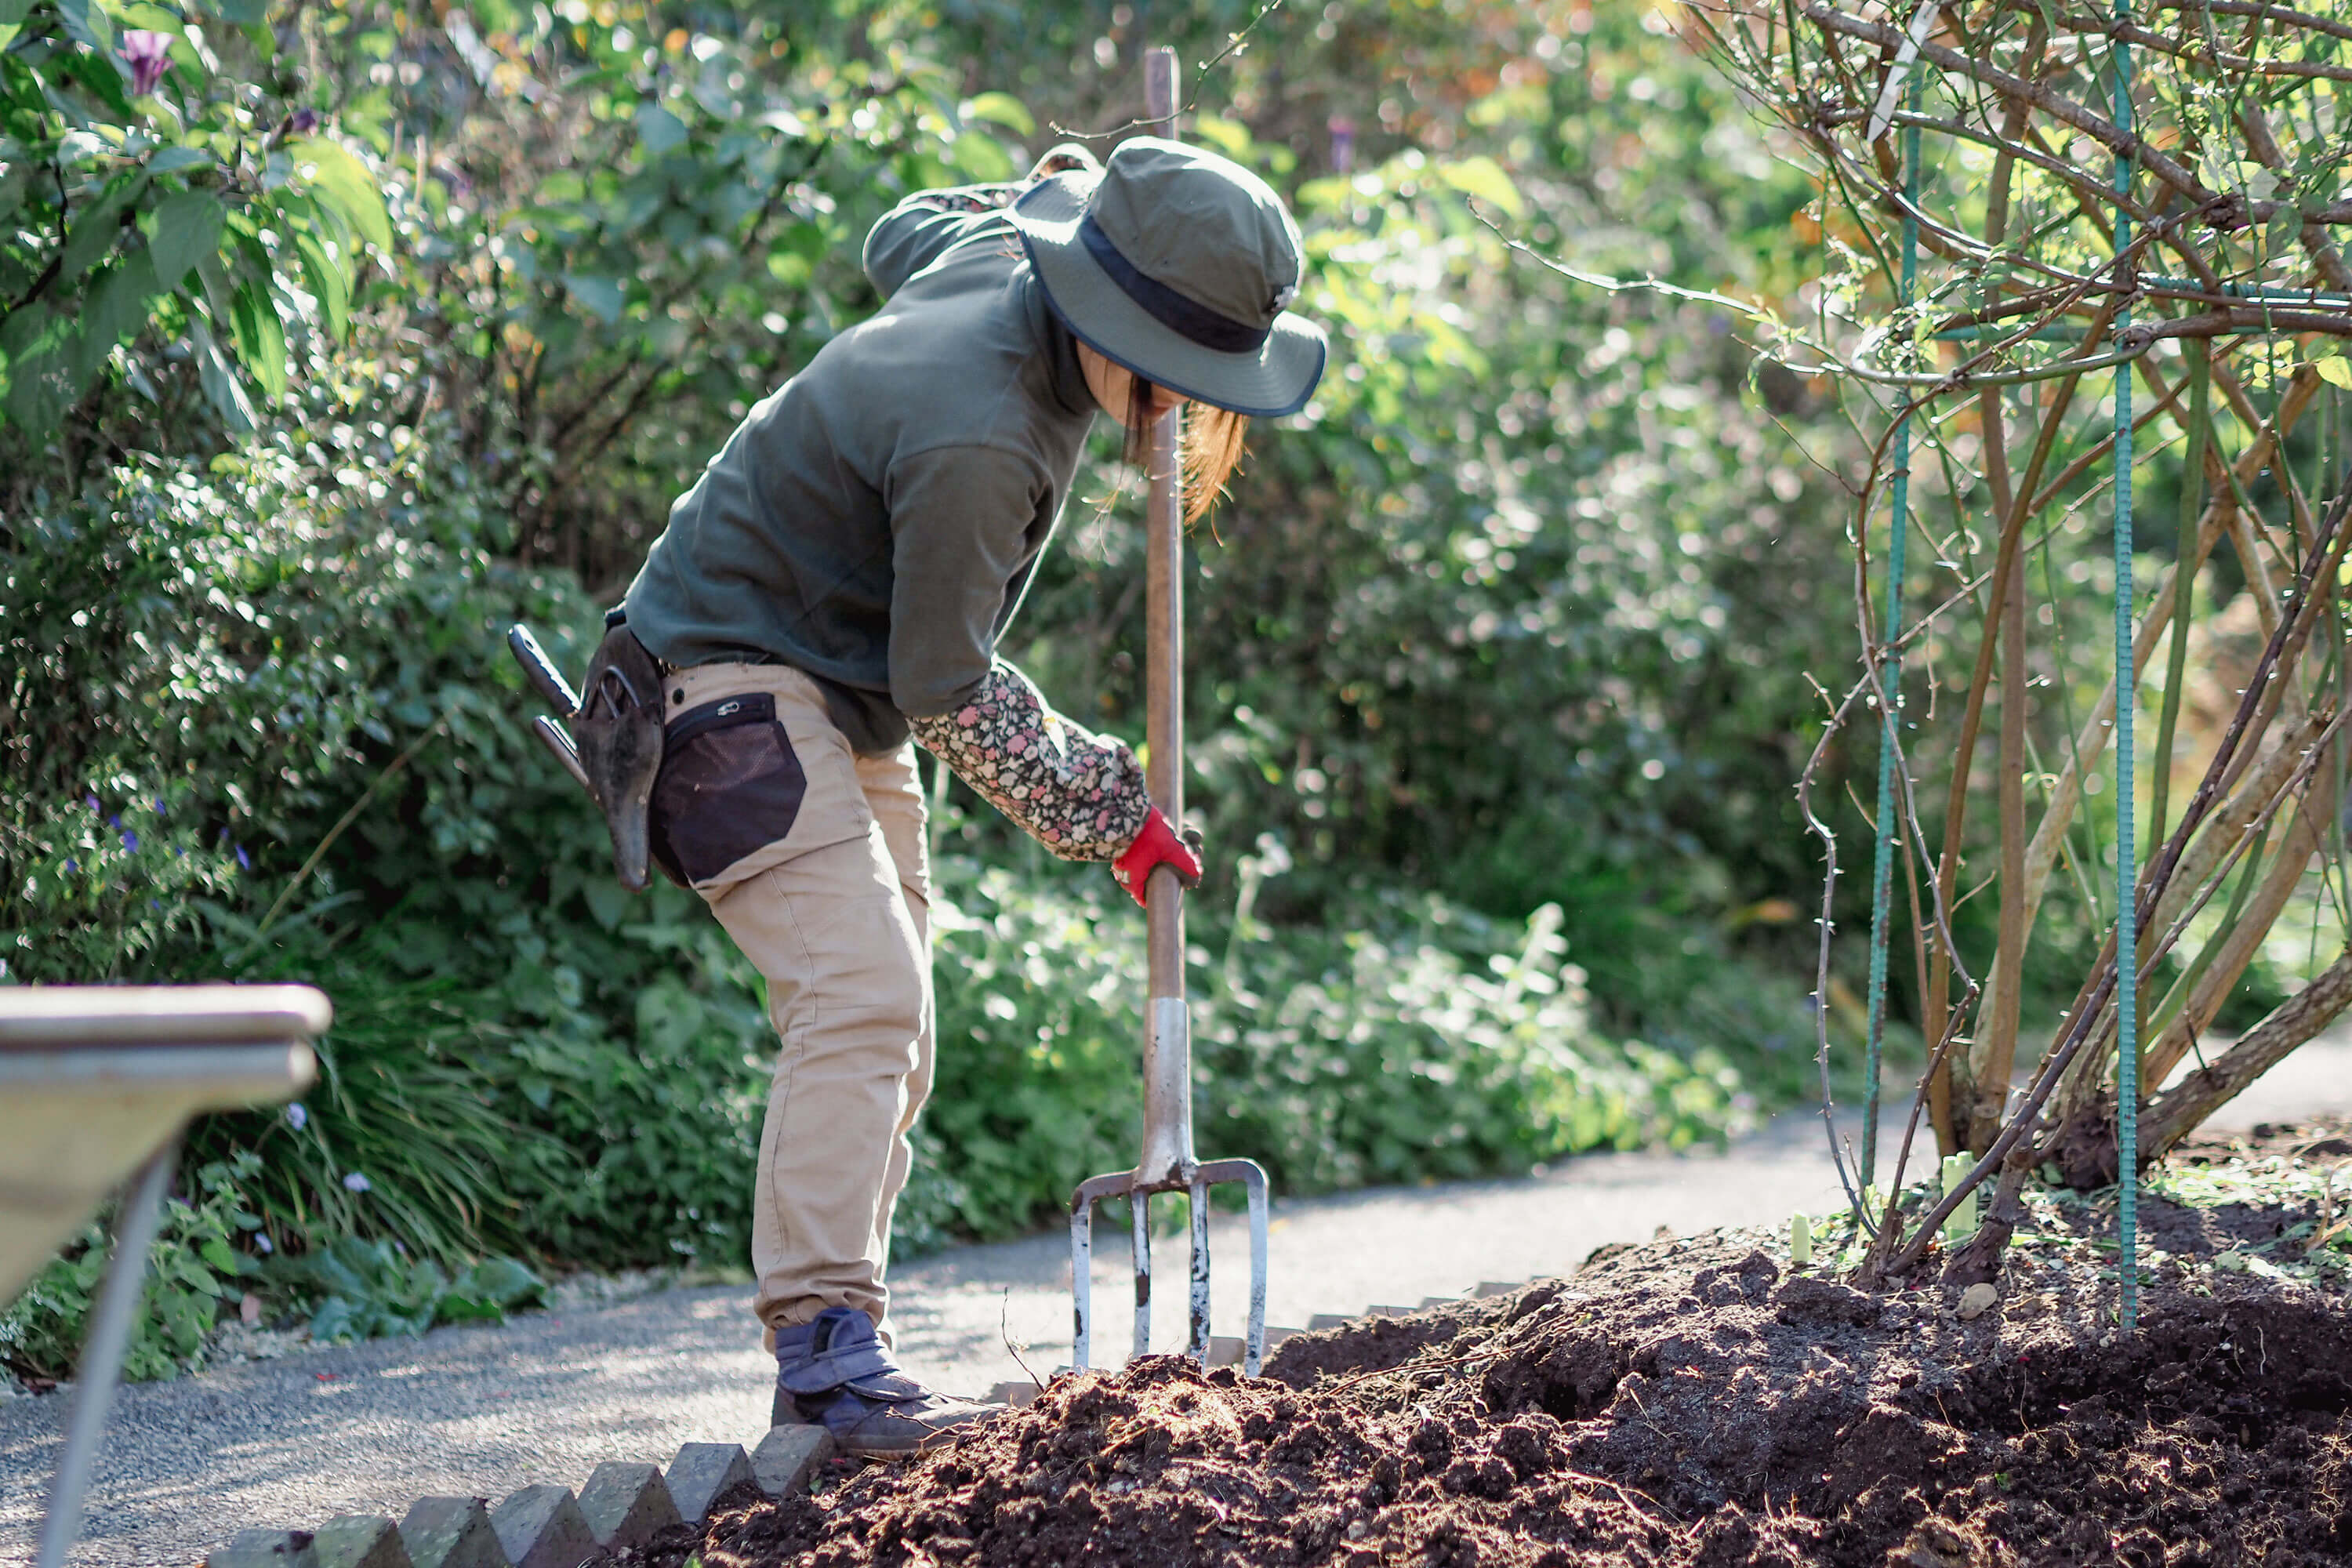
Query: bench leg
pixel 101 1352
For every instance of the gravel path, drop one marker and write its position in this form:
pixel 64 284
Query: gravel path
pixel 483 1411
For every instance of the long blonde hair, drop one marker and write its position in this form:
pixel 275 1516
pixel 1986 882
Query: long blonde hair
pixel 1209 446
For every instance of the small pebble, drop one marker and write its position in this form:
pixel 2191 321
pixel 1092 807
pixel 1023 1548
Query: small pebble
pixel 1976 1300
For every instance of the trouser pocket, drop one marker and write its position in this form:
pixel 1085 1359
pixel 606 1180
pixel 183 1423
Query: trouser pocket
pixel 730 784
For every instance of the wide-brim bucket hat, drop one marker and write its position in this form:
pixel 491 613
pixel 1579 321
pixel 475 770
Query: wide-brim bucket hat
pixel 1178 264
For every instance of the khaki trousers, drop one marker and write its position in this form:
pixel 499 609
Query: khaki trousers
pixel 835 916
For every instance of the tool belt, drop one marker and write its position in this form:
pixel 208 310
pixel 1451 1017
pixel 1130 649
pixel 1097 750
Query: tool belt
pixel 618 731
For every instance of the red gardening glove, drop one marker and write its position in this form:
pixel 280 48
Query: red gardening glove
pixel 1157 845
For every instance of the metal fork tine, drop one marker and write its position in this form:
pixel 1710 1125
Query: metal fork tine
pixel 1138 1205
pixel 1197 1346
pixel 1082 1260
pixel 1215 1173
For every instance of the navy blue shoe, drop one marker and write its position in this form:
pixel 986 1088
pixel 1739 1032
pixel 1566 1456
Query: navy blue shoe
pixel 834 1370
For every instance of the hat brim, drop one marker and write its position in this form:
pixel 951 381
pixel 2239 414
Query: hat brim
pixel 1275 378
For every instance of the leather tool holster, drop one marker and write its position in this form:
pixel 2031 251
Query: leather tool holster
pixel 618 731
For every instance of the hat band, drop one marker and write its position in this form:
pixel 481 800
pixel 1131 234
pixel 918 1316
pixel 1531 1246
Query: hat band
pixel 1187 318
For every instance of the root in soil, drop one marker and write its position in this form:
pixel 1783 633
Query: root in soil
pixel 1686 1403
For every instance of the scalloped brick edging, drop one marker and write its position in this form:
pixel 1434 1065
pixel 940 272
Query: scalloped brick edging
pixel 626 1504
pixel 544 1526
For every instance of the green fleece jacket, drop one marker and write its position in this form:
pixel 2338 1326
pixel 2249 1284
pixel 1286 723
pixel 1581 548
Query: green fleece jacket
pixel 875 520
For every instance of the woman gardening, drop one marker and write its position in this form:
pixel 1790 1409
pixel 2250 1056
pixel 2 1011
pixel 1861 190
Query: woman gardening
pixel 831 592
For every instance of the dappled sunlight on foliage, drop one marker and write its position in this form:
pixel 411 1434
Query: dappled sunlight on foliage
pixel 1497 649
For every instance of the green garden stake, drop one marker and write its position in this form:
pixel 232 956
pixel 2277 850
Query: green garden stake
pixel 1882 879
pixel 2127 872
pixel 1800 1240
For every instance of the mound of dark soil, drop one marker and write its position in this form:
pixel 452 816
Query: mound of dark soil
pixel 1686 1403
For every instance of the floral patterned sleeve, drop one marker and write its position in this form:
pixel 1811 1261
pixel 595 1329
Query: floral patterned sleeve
pixel 1081 796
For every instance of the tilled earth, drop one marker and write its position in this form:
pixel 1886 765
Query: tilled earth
pixel 1691 1401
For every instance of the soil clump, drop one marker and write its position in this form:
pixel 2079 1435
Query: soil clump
pixel 1693 1402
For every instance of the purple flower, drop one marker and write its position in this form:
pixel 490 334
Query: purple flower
pixel 356 1183
pixel 298 1116
pixel 1343 143
pixel 158 805
pixel 304 121
pixel 243 862
pixel 147 54
pixel 72 866
pixel 114 821
pixel 129 840
pixel 91 801
pixel 261 1242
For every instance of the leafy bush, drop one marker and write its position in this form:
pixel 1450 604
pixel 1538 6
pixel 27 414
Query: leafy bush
pixel 1416 1041
pixel 410 1135
pixel 373 1290
pixel 194 1266
pixel 143 175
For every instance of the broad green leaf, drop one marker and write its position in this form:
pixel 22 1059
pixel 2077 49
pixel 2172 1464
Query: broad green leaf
pixel 2336 371
pixel 1226 136
pixel 97 227
pixel 260 335
pixel 220 284
pixel 500 1281
pixel 186 228
pixel 105 75
pixel 85 24
pixel 1002 109
pixel 13 12
pixel 43 363
pixel 601 295
pixel 8 31
pixel 150 19
pixel 1483 179
pixel 809 239
pixel 336 1319
pixel 325 279
pixel 344 182
pixel 117 307
pixel 220 382
pixel 240 13
pixel 658 130
pixel 172 160
pixel 981 158
pixel 457 1307
pixel 79 147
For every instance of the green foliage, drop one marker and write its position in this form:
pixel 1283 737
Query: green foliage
pixel 406 1136
pixel 149 179
pixel 368 1290
pixel 1502 640
pixel 1420 1040
pixel 194 1268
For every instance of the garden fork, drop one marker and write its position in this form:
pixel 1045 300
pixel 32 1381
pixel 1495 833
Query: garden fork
pixel 1168 1163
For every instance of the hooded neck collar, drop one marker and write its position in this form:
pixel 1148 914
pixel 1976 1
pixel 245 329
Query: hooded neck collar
pixel 1068 376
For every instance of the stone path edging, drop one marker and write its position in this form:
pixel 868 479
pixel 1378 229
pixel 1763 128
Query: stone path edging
pixel 624 1505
